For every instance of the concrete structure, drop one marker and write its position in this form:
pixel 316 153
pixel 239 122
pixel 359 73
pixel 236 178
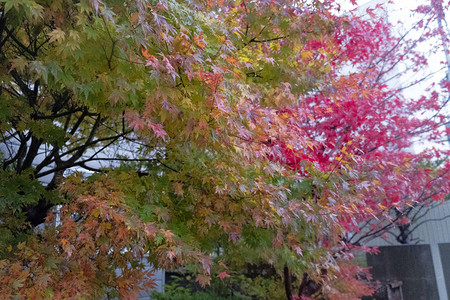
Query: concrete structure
pixel 423 266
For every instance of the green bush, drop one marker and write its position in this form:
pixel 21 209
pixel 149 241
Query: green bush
pixel 235 287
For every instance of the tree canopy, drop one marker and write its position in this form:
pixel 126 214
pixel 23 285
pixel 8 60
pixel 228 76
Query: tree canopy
pixel 208 135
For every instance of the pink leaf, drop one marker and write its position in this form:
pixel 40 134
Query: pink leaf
pixel 158 130
pixel 223 275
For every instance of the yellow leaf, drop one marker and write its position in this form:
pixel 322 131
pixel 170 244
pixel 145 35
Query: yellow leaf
pixel 306 55
pixel 382 207
pixel 95 213
pixel 56 35
pixel 178 188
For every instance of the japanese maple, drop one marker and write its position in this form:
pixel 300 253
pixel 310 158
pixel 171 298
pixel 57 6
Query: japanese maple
pixel 264 132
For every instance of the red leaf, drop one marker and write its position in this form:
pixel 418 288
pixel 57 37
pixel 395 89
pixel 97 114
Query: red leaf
pixel 223 275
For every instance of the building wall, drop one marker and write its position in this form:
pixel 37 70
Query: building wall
pixel 412 266
pixel 432 226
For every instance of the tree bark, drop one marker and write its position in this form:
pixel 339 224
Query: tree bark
pixel 287 283
pixel 308 287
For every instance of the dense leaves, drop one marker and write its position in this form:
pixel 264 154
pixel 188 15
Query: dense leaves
pixel 207 135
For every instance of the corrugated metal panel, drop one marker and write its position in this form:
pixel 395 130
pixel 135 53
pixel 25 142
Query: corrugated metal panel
pixel 432 226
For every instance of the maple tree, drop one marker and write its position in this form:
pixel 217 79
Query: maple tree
pixel 263 132
pixel 403 222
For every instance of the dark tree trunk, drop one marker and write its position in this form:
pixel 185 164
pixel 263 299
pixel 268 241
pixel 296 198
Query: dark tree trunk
pixel 405 232
pixel 404 236
pixel 308 287
pixel 36 214
pixel 287 283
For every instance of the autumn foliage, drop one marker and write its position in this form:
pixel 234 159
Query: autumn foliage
pixel 207 136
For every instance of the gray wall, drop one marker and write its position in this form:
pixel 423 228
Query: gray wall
pixel 411 264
